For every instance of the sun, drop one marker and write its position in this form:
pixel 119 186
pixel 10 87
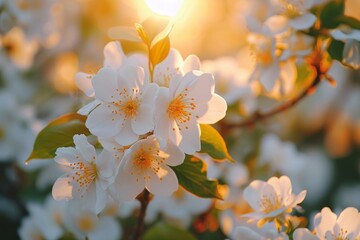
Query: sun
pixel 165 7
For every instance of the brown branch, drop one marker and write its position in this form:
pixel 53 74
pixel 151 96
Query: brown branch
pixel 144 198
pixel 258 116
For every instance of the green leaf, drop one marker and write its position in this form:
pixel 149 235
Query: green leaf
pixel 163 231
pixel 331 13
pixel 213 144
pixel 160 51
pixel 350 21
pixel 192 176
pixel 336 49
pixel 58 133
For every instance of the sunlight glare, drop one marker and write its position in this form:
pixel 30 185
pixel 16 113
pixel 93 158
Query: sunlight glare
pixel 165 7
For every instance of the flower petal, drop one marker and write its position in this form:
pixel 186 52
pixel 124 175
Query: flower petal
pixel 126 135
pixel 277 24
pixel 176 156
pixel 67 155
pixel 85 148
pixel 303 22
pixel 114 55
pixel 62 189
pixel 216 110
pixel 83 82
pixel 164 183
pixel 105 84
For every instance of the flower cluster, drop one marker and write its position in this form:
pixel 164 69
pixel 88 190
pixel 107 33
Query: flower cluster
pixel 146 124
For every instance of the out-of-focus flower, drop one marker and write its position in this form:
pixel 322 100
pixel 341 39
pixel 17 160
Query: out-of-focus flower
pixel 189 101
pixel 264 233
pixel 178 208
pixel 18 49
pixel 146 165
pixel 39 225
pixel 293 14
pixel 271 200
pixel 327 225
pixel 88 175
pixel 84 223
pixel 126 105
pixel 276 75
pixel 351 53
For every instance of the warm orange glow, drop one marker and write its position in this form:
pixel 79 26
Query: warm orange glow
pixel 165 7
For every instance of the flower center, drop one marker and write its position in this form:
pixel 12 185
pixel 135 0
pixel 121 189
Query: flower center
pixel 128 105
pixel 146 160
pixel 84 175
pixel 342 235
pixel 86 224
pixel 270 203
pixel 292 8
pixel 179 109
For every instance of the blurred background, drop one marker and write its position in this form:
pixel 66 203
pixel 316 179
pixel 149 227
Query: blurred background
pixel 44 43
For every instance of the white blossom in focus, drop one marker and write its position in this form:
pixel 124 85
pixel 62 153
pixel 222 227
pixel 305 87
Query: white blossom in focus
pixel 188 102
pixel 126 105
pixel 329 226
pixel 146 165
pixel 88 174
pixel 271 200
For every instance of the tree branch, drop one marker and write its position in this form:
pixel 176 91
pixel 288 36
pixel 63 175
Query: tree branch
pixel 258 116
pixel 144 198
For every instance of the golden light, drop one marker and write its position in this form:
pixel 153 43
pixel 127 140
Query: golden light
pixel 165 7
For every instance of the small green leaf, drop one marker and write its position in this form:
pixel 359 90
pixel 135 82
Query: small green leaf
pixel 213 144
pixel 350 21
pixel 331 13
pixel 336 49
pixel 58 133
pixel 163 231
pixel 192 176
pixel 160 51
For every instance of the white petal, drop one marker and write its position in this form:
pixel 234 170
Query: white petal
pixel 114 55
pixel 277 24
pixel 304 234
pixel 176 156
pixel 192 62
pixel 324 221
pixel 67 155
pixel 165 183
pixel 85 148
pixel 130 77
pixel 252 194
pixel 126 135
pixel 101 198
pixel 85 110
pixel 83 82
pixel 190 142
pixel 127 186
pixel 349 219
pixel 103 122
pixel 269 76
pixel 62 189
pixel 106 226
pixel 303 22
pixel 105 84
pixel 202 87
pixel 144 121
pixel 216 110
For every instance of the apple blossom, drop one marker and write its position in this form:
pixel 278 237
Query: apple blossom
pixel 271 200
pixel 188 102
pixel 88 176
pixel 146 165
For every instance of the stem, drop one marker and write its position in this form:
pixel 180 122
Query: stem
pixel 258 116
pixel 144 199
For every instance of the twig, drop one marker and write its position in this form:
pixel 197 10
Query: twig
pixel 258 116
pixel 144 199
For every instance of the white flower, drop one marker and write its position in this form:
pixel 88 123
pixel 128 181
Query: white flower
pixel 248 233
pixel 88 175
pixel 292 13
pixel 271 200
pixel 173 66
pixel 85 224
pixel 276 75
pixel 328 226
pixel 39 225
pixel 146 165
pixel 351 52
pixel 188 102
pixel 178 208
pixel 126 104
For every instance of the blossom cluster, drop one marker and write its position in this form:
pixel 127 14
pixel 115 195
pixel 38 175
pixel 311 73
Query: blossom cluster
pixel 146 124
